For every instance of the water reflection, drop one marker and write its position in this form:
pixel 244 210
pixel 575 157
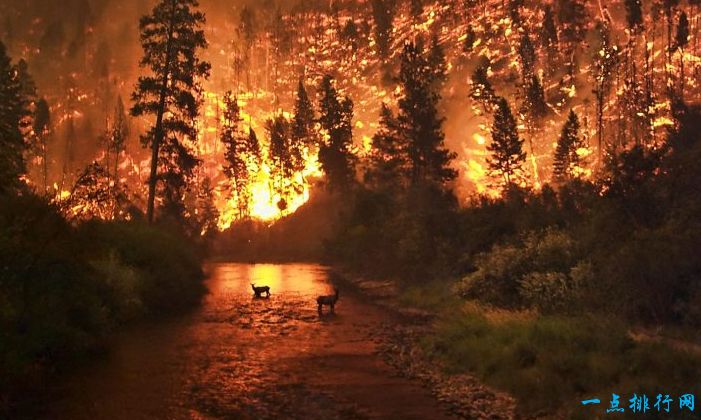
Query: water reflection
pixel 235 279
pixel 244 358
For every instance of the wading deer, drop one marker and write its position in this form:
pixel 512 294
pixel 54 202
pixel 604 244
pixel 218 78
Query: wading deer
pixel 329 300
pixel 258 291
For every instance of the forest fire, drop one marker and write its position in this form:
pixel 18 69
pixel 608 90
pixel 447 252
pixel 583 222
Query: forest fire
pixel 260 59
pixel 518 177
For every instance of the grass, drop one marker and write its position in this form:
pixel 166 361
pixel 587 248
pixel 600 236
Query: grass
pixel 550 363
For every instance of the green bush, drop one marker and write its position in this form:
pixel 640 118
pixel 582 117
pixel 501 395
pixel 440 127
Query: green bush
pixel 124 284
pixel 168 266
pixel 549 363
pixel 63 289
pixel 534 271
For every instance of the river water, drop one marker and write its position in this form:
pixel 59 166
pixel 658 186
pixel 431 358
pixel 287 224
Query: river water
pixel 241 357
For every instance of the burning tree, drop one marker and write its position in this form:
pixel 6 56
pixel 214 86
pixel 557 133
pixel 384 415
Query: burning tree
pixel 388 162
pixel 303 131
pixel 418 119
pixel 507 155
pixel 481 88
pixel 335 152
pixel 13 111
pixel 284 155
pixel 567 160
pixel 117 138
pixel 237 154
pixel 171 37
pixel 604 62
pixel 42 127
pixel 383 12
pixel 92 196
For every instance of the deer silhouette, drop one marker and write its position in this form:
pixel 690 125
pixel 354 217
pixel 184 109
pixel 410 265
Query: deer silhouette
pixel 329 300
pixel 258 291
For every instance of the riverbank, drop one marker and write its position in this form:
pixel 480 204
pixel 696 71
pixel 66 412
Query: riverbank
pixel 242 357
pixel 400 345
pixel 482 361
pixel 67 288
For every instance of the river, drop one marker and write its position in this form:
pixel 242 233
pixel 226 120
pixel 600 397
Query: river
pixel 241 357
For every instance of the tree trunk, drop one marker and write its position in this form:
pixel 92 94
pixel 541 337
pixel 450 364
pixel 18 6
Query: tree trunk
pixel 158 135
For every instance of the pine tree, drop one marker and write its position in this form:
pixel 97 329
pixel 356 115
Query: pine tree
pixel 549 41
pixel 470 38
pixel 416 9
pixel 335 154
pixel 548 32
pixel 566 158
pixel 41 127
pixel 236 154
pixel 171 37
pixel 436 61
pixel 603 64
pixel 515 11
pixel 281 158
pixel 254 154
pixel 207 213
pixel 481 88
pixel 526 53
pixel 247 31
pixel 303 130
pixel 388 161
pixel 91 197
pixel 634 14
pixel 572 17
pixel 534 103
pixel 118 135
pixel 383 13
pixel 668 7
pixel 350 35
pixel 506 149
pixel 13 114
pixel 419 121
pixel 534 110
pixel 681 40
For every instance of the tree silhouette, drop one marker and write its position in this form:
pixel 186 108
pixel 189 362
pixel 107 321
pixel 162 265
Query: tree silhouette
pixel 282 158
pixel 237 153
pixel 506 149
pixel 171 37
pixel 681 40
pixel 481 88
pixel 566 158
pixel 42 127
pixel 383 13
pixel 419 121
pixel 303 131
pixel 388 161
pixel 335 154
pixel 13 112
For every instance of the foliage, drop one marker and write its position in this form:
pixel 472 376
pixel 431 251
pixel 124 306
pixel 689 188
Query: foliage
pixel 418 120
pixel 64 289
pixel 13 110
pixel 171 37
pixel 335 154
pixel 552 363
pixel 567 160
pixel 240 155
pixel 507 155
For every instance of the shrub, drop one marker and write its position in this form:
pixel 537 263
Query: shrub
pixel 552 362
pixel 167 264
pixel 534 271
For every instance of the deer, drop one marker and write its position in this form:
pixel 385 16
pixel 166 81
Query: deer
pixel 258 291
pixel 329 300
